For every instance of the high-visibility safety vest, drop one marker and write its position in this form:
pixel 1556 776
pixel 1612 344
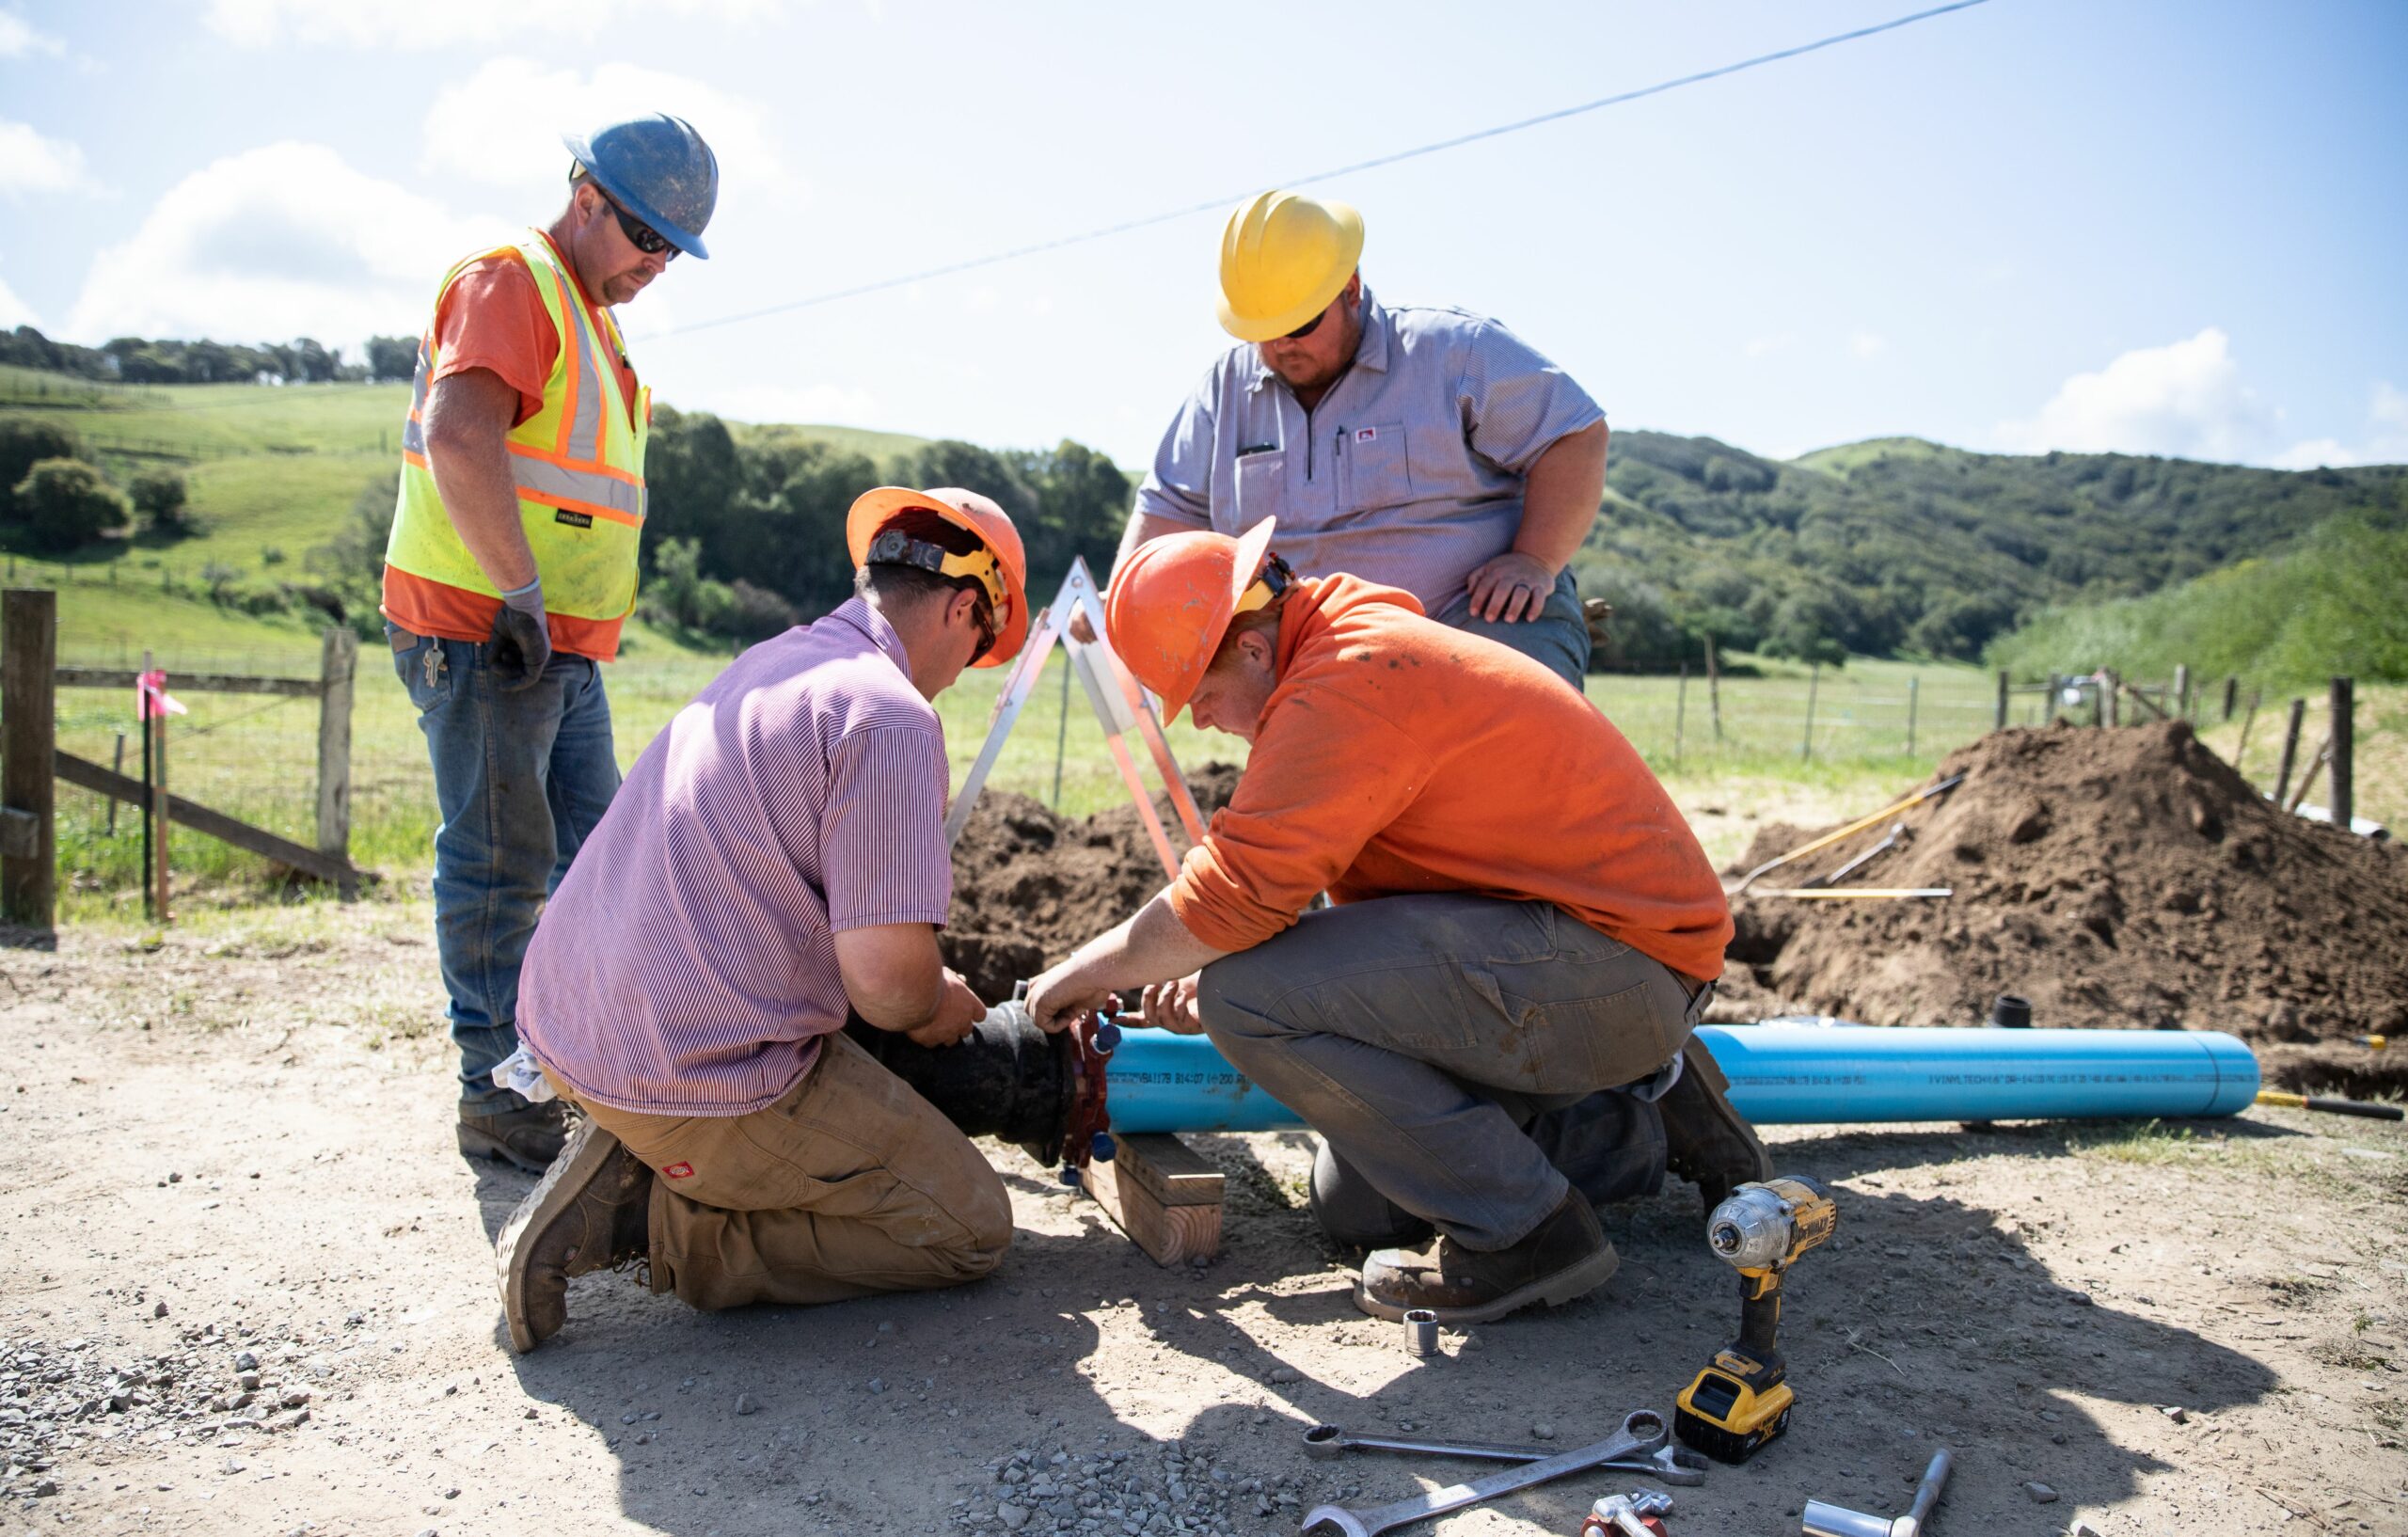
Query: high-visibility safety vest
pixel 579 464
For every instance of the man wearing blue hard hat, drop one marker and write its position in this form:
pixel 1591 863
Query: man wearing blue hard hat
pixel 513 564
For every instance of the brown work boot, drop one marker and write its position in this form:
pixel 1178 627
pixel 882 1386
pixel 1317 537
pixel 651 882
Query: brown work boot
pixel 1565 1256
pixel 1706 1141
pixel 590 1211
pixel 530 1136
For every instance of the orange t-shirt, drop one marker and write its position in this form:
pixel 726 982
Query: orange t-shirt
pixel 1398 755
pixel 493 317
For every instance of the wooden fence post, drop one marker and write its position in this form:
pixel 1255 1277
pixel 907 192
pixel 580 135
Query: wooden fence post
pixel 1714 688
pixel 1680 711
pixel 2231 696
pixel 28 736
pixel 339 660
pixel 2181 690
pixel 1914 684
pixel 1813 681
pixel 2290 749
pixel 2240 749
pixel 1999 724
pixel 2344 733
pixel 2110 697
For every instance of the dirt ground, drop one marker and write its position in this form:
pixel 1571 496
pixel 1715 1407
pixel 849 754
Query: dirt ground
pixel 232 1152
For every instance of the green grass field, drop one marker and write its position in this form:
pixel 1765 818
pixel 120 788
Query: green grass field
pixel 278 468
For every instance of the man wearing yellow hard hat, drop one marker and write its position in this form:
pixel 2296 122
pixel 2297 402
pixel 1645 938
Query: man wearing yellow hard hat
pixel 1423 448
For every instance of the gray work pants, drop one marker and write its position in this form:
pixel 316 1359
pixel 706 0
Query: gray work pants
pixel 1381 1022
pixel 1556 640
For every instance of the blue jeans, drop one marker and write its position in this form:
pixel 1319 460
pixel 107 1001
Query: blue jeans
pixel 520 779
pixel 1558 638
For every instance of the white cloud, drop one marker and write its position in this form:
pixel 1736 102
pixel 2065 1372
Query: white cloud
pixel 1867 343
pixel 2184 399
pixel 31 163
pixel 502 126
pixel 2385 442
pixel 282 241
pixel 442 23
pixel 18 38
pixel 14 311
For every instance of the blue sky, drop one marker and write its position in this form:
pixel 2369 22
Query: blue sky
pixel 2160 228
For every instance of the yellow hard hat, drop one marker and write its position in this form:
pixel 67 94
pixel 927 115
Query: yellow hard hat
pixel 1284 256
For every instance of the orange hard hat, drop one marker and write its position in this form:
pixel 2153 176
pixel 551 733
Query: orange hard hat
pixel 1006 578
pixel 1171 604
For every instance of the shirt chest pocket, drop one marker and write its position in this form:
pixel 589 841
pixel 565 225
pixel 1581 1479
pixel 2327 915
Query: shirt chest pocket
pixel 1262 486
pixel 1376 472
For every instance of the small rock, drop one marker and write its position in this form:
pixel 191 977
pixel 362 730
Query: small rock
pixel 46 1488
pixel 245 1361
pixel 1013 1516
pixel 1543 1432
pixel 2042 1494
pixel 175 1179
pixel 878 1384
pixel 1286 1373
pixel 2177 1414
pixel 159 1310
pixel 745 1404
pixel 450 1494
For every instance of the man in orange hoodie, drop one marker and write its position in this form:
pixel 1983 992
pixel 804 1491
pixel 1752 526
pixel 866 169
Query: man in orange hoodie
pixel 1520 917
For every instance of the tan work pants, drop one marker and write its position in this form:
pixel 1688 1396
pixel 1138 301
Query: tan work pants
pixel 850 1184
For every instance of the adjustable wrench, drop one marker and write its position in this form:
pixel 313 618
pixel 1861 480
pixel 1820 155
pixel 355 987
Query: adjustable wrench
pixel 1665 1464
pixel 1642 1434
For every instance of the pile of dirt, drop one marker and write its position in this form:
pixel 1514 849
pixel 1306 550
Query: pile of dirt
pixel 2120 879
pixel 1030 886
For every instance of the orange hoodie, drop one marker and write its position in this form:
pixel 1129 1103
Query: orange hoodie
pixel 1400 755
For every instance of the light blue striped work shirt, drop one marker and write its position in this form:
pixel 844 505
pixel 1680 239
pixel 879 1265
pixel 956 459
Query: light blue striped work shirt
pixel 1410 470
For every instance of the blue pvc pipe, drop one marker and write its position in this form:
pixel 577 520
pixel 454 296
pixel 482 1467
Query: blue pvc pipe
pixel 1789 1074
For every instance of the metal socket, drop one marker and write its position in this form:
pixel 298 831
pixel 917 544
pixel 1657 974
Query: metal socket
pixel 1420 1331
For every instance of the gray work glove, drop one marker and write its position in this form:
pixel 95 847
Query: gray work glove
pixel 521 645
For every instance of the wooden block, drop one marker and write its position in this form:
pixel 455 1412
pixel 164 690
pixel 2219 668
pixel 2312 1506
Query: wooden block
pixel 1162 1195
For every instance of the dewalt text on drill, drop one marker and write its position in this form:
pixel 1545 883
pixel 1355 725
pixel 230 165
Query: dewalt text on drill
pixel 1742 1399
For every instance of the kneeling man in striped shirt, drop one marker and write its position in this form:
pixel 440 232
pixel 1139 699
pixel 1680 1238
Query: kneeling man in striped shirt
pixel 776 863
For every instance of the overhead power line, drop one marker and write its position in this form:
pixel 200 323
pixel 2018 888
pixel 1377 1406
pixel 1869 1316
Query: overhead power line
pixel 1212 205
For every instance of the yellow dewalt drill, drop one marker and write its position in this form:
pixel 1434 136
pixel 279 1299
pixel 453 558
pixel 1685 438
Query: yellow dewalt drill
pixel 1742 1400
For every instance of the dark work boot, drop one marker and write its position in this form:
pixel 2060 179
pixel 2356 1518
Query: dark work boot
pixel 1706 1141
pixel 528 1137
pixel 592 1209
pixel 1565 1256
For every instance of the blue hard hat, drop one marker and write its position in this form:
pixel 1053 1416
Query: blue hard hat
pixel 659 169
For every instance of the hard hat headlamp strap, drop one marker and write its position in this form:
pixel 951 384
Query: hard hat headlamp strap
pixel 893 547
pixel 1276 575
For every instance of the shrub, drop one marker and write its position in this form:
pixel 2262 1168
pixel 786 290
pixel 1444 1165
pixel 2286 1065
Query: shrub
pixel 65 502
pixel 158 496
pixel 22 445
pixel 271 555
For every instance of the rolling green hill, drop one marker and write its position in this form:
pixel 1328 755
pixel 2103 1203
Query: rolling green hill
pixel 1889 546
pixel 1898 545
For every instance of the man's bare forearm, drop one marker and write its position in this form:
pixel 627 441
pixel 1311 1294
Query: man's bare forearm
pixel 468 418
pixel 1152 946
pixel 1560 497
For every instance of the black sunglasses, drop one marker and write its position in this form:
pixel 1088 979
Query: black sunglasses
pixel 643 237
pixel 1307 329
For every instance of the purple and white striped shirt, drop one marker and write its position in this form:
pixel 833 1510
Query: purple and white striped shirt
pixel 687 966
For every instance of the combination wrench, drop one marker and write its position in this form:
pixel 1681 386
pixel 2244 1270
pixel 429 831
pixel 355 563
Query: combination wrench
pixel 1642 1434
pixel 1666 1464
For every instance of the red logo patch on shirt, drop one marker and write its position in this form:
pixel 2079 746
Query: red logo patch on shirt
pixel 679 1171
pixel 1364 434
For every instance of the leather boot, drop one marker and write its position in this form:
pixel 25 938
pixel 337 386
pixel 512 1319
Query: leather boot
pixel 528 1137
pixel 1706 1141
pixel 590 1211
pixel 1564 1257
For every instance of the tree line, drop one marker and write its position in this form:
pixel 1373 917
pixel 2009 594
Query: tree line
pixel 1903 547
pixel 745 526
pixel 132 360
